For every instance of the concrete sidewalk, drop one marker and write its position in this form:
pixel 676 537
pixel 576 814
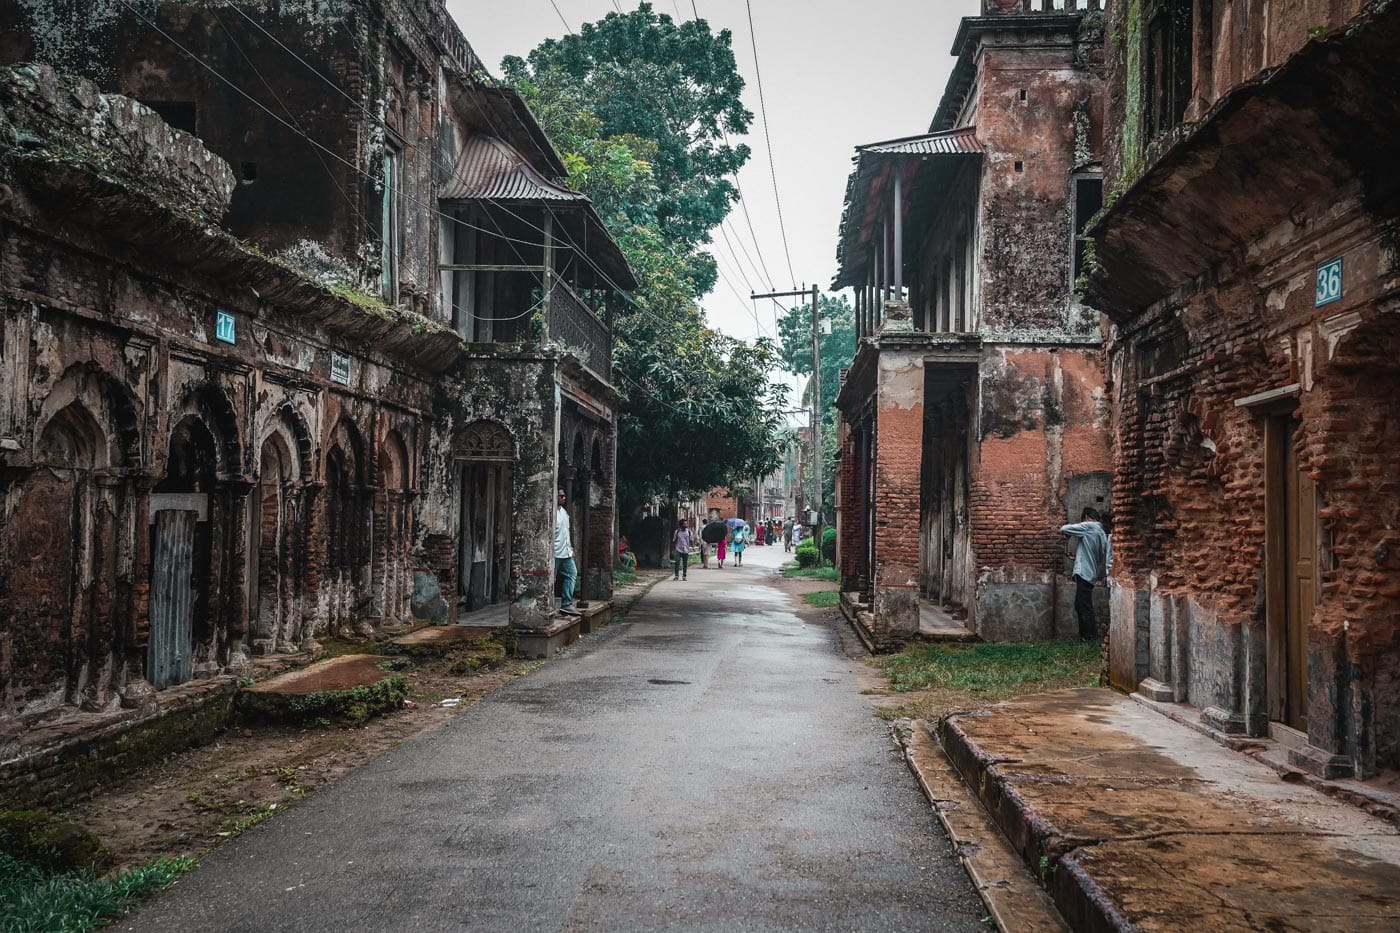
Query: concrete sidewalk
pixel 1134 821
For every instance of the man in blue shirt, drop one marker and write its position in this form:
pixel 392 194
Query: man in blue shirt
pixel 1091 562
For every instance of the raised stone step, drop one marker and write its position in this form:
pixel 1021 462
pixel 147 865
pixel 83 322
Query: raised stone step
pixel 445 639
pixel 351 688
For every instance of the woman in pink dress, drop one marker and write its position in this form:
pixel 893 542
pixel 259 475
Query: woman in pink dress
pixel 720 550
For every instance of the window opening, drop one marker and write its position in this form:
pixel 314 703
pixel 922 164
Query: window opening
pixel 391 220
pixel 1088 201
pixel 1168 64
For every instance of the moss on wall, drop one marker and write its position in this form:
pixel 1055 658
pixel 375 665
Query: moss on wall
pixel 1131 133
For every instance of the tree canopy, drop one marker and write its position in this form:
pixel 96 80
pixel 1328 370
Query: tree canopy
pixel 642 76
pixel 837 349
pixel 639 106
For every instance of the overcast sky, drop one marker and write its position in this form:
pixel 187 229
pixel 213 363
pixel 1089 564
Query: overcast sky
pixel 836 73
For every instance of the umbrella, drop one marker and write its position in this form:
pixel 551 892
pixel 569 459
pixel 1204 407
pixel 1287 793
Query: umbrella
pixel 735 522
pixel 714 532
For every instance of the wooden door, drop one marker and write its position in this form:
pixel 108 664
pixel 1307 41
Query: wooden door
pixel 1290 572
pixel 1301 576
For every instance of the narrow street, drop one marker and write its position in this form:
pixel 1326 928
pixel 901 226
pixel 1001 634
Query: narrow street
pixel 706 764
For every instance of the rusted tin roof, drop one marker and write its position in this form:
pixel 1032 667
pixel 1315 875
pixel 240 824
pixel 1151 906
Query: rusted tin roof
pixel 875 164
pixel 490 169
pixel 962 141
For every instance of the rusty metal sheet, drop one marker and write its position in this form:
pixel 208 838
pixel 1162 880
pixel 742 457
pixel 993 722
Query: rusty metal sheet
pixel 172 599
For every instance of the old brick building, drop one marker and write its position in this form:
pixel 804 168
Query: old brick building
pixel 973 419
pixel 302 342
pixel 1248 263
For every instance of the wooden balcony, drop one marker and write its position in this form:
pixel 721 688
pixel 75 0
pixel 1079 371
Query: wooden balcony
pixel 577 328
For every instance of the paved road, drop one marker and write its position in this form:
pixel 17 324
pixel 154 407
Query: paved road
pixel 708 764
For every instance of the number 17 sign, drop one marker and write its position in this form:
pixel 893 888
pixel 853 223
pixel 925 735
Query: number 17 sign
pixel 1329 282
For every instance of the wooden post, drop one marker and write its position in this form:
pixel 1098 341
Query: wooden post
pixel 898 251
pixel 547 268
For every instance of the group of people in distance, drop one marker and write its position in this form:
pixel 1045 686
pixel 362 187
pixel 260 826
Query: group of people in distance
pixel 726 539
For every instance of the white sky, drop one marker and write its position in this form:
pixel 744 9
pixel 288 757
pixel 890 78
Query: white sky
pixel 836 73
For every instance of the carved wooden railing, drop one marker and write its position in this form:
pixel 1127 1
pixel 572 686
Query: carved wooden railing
pixel 574 325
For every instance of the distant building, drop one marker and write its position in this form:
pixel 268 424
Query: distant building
pixel 974 420
pixel 1247 261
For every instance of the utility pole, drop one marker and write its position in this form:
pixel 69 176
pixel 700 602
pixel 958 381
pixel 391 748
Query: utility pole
pixel 816 387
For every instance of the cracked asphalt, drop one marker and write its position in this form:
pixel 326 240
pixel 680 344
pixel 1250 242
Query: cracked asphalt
pixel 705 765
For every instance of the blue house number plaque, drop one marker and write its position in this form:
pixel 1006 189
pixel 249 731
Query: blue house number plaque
pixel 224 328
pixel 1329 282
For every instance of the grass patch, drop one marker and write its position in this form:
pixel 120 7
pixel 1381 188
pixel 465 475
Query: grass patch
pixel 812 573
pixel 993 672
pixel 623 578
pixel 35 901
pixel 822 599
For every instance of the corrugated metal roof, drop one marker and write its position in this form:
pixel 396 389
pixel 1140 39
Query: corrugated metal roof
pixel 874 163
pixel 489 169
pixel 962 141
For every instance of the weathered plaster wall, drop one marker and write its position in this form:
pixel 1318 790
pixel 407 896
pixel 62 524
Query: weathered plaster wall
pixel 1030 150
pixel 1042 445
pixel 109 355
pixel 516 391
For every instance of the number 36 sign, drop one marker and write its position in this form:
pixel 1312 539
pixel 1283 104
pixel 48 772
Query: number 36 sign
pixel 1329 282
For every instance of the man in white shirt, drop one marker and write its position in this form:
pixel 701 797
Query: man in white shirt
pixel 564 555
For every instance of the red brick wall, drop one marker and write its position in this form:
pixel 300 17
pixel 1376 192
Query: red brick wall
pixel 898 460
pixel 1044 420
pixel 1190 475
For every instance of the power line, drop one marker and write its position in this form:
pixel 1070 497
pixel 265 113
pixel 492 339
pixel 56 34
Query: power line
pixel 768 140
pixel 563 230
pixel 451 170
pixel 561 16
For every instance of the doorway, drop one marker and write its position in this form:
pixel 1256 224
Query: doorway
pixel 1290 572
pixel 180 553
pixel 486 453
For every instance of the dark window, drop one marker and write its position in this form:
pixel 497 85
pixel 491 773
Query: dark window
pixel 178 113
pixel 391 224
pixel 1168 64
pixel 1088 200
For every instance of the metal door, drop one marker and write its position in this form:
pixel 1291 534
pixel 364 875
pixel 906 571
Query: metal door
pixel 172 598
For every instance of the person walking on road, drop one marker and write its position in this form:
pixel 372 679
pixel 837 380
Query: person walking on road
pixel 722 550
pixel 741 541
pixel 787 535
pixel 680 550
pixel 564 566
pixel 1091 563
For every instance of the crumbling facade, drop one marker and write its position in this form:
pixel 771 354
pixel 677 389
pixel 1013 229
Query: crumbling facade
pixel 1248 264
pixel 974 420
pixel 287 363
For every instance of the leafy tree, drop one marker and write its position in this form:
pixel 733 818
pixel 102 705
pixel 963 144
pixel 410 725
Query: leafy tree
pixel 635 104
pixel 644 76
pixel 837 350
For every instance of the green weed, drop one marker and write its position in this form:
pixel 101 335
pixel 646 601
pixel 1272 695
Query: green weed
pixel 812 573
pixel 993 672
pixel 822 599
pixel 35 901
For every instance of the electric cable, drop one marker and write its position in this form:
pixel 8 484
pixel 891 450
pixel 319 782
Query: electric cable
pixel 768 140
